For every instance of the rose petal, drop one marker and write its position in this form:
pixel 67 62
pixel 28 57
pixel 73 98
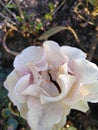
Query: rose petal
pixel 74 94
pixel 22 107
pixel 53 53
pixel 49 87
pixel 42 66
pixel 72 52
pixel 63 69
pixel 34 90
pixel 21 85
pixel 62 122
pixel 81 105
pixel 11 80
pixel 36 79
pixel 31 54
pixel 65 82
pixel 44 117
pixel 86 72
pixel 10 83
pixel 89 92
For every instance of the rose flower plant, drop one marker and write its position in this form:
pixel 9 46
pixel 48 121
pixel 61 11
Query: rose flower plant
pixel 48 81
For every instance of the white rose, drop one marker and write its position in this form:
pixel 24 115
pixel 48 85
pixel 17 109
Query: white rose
pixel 48 81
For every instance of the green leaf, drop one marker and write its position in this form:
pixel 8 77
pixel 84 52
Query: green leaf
pixel 39 26
pixel 19 18
pixel 93 2
pixel 51 32
pixel 11 6
pixel 48 16
pixel 51 6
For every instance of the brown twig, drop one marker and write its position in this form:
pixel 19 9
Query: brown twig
pixel 5 46
pixel 19 8
pixel 54 12
pixel 9 20
pixel 80 16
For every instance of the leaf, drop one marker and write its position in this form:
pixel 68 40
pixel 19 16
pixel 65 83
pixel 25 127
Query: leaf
pixel 19 18
pixel 51 32
pixel 48 16
pixel 95 12
pixel 51 6
pixel 11 6
pixel 93 2
pixel 39 26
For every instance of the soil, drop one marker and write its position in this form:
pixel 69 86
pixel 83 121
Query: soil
pixel 84 24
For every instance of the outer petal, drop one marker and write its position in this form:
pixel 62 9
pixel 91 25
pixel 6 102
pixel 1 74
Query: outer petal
pixel 62 122
pixel 21 85
pixel 10 83
pixel 89 92
pixel 86 72
pixel 44 117
pixel 31 54
pixel 11 80
pixel 81 105
pixel 65 82
pixel 72 52
pixel 53 53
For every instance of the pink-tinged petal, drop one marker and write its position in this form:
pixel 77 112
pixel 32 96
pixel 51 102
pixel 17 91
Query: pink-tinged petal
pixel 89 92
pixel 81 105
pixel 45 75
pixel 36 79
pixel 34 90
pixel 49 87
pixel 65 82
pixel 21 85
pixel 86 71
pixel 53 72
pixel 31 54
pixel 44 117
pixel 42 66
pixel 72 52
pixel 53 54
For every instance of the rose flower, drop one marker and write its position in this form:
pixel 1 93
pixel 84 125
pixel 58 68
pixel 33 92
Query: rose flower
pixel 48 81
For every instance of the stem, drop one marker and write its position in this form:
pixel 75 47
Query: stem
pixel 14 16
pixel 19 8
